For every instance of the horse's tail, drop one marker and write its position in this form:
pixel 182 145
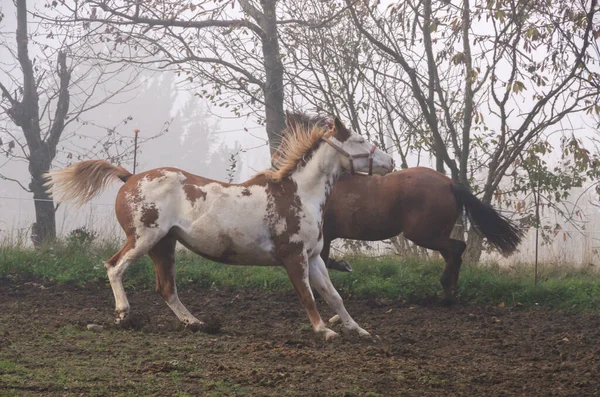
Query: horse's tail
pixel 500 232
pixel 82 181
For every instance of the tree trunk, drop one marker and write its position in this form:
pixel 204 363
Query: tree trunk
pixel 273 90
pixel 474 247
pixel 44 228
pixel 474 239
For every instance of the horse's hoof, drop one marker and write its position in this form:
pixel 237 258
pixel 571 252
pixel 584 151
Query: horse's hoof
pixel 330 335
pixel 341 266
pixel 195 327
pixel 364 334
pixel 345 266
pixel 334 319
pixel 123 321
pixel 121 317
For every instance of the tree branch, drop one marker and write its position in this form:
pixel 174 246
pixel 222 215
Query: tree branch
pixel 136 19
pixel 62 107
pixel 26 114
pixel 6 94
pixel 15 181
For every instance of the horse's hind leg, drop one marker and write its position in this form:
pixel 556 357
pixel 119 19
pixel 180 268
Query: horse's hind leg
pixel 331 263
pixel 133 249
pixel 319 278
pixel 163 256
pixel 453 257
pixel 115 268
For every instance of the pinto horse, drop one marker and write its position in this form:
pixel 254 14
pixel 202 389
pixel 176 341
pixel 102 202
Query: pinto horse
pixel 273 219
pixel 419 202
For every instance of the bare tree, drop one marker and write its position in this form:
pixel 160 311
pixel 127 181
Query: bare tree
pixel 492 80
pixel 231 47
pixel 481 84
pixel 332 68
pixel 44 92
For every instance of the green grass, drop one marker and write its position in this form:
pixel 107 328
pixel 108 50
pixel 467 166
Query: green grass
pixel 409 280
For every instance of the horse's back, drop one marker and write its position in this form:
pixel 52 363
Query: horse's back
pixel 221 221
pixel 379 207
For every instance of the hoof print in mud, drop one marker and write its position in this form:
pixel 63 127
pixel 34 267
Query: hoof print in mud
pixel 449 302
pixel 211 326
pixel 132 321
pixel 194 327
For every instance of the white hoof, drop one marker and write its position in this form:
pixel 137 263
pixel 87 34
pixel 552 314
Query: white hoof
pixel 194 326
pixel 329 334
pixel 362 333
pixel 121 317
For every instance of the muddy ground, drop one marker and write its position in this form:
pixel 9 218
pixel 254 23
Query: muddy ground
pixel 266 348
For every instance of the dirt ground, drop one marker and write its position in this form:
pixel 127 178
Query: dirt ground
pixel 266 348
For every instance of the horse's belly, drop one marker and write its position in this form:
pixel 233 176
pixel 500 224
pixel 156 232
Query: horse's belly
pixel 235 246
pixel 368 232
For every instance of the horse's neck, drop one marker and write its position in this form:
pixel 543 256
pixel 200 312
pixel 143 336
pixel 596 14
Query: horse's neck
pixel 315 180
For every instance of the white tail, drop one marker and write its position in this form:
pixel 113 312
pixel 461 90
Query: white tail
pixel 81 182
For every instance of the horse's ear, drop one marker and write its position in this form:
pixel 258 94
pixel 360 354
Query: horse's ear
pixel 290 120
pixel 341 132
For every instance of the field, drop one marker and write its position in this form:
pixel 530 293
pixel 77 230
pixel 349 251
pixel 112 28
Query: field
pixel 510 340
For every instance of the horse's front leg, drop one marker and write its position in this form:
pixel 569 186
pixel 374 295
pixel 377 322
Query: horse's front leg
pixel 297 269
pixel 319 278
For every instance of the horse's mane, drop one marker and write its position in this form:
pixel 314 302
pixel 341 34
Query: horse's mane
pixel 301 135
pixel 307 120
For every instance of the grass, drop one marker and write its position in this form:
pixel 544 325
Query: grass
pixel 409 280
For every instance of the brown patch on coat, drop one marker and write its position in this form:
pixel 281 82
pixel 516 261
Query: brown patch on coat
pixel 149 215
pixel 257 180
pixel 193 193
pixel 191 186
pixel 116 258
pixel 284 203
pixel 246 192
pixel 129 198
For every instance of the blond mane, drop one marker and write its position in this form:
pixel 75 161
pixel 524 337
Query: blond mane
pixel 297 141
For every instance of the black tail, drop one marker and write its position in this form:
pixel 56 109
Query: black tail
pixel 499 231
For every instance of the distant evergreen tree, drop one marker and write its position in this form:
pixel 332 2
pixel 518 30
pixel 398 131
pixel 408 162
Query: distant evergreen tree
pixel 200 148
pixel 187 139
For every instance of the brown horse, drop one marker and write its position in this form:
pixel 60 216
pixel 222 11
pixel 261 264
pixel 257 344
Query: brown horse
pixel 273 219
pixel 419 202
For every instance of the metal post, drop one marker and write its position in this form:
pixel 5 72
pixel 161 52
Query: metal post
pixel 135 147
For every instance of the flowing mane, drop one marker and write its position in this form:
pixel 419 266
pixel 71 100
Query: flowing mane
pixel 301 136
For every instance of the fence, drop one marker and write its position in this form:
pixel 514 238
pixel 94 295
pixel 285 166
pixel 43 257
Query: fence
pixel 567 247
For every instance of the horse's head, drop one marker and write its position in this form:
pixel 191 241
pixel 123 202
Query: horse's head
pixel 358 154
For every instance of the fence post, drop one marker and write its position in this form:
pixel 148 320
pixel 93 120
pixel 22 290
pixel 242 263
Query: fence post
pixel 135 147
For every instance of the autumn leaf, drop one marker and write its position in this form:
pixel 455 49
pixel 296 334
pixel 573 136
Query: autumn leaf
pixel 518 86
